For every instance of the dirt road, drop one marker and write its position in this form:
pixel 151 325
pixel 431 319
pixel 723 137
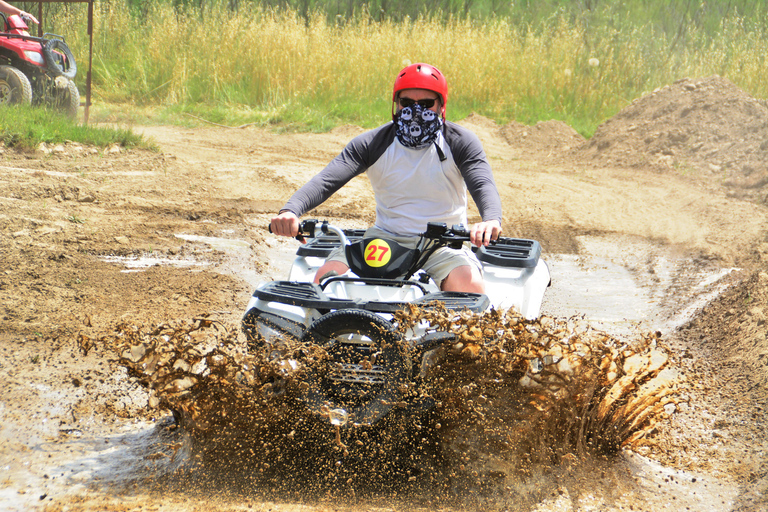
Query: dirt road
pixel 673 191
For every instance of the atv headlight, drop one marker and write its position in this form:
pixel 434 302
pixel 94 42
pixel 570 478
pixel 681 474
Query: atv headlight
pixel 35 57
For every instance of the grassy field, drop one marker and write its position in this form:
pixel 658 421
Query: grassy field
pixel 25 128
pixel 296 70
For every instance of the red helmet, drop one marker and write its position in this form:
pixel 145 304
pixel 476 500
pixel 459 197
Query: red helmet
pixel 422 76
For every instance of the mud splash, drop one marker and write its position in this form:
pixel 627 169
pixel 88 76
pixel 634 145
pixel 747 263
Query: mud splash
pixel 512 396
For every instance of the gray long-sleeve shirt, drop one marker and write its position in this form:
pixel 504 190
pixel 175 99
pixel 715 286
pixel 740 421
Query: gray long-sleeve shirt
pixel 412 186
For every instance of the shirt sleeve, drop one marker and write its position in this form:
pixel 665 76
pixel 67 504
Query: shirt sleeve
pixel 352 161
pixel 473 164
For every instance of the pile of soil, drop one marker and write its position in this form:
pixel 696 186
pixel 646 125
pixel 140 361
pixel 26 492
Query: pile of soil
pixel 549 136
pixel 741 334
pixel 708 127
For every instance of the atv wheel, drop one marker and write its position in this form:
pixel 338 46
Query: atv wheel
pixel 366 370
pixel 59 59
pixel 67 99
pixel 15 88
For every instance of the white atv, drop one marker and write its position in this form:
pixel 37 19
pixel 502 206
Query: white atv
pixel 371 365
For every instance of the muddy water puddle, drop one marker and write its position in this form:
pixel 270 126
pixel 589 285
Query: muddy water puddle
pixel 621 284
pixel 274 256
pixel 615 284
pixel 91 461
pixel 141 263
pixel 686 490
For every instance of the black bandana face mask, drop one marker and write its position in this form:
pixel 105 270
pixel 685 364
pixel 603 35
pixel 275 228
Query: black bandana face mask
pixel 417 127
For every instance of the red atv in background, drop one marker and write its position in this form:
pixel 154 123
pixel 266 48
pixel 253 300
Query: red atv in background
pixel 36 70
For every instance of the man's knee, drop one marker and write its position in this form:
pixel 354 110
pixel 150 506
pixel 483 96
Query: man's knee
pixel 464 279
pixel 330 269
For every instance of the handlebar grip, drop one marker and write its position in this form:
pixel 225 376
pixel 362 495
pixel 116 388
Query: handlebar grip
pixel 299 237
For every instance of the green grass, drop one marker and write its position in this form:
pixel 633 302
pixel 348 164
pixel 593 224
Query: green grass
pixel 240 62
pixel 26 128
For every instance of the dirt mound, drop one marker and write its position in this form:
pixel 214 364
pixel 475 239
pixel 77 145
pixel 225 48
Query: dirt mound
pixel 348 130
pixel 740 332
pixel 707 126
pixel 543 136
pixel 517 139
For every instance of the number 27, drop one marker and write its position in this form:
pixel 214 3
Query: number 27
pixel 373 249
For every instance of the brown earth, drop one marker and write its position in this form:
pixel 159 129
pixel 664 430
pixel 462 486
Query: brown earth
pixel 684 167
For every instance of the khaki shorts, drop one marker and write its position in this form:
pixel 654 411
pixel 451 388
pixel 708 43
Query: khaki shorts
pixel 438 266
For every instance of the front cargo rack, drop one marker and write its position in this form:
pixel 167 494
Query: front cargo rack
pixel 511 252
pixel 311 295
pixel 321 246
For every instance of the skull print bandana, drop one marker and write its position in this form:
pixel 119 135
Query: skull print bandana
pixel 417 127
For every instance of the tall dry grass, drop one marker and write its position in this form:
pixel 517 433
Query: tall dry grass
pixel 278 66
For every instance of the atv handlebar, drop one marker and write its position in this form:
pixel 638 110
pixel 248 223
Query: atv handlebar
pixel 452 237
pixel 307 230
pixel 435 231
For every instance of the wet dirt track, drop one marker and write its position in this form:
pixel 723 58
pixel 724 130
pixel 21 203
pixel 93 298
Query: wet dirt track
pixel 672 243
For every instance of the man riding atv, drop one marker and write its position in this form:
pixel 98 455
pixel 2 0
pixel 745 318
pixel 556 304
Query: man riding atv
pixel 38 71
pixel 420 167
pixel 11 10
pixel 342 314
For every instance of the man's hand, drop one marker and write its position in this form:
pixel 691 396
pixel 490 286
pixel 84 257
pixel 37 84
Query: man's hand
pixel 29 17
pixel 285 224
pixel 483 232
